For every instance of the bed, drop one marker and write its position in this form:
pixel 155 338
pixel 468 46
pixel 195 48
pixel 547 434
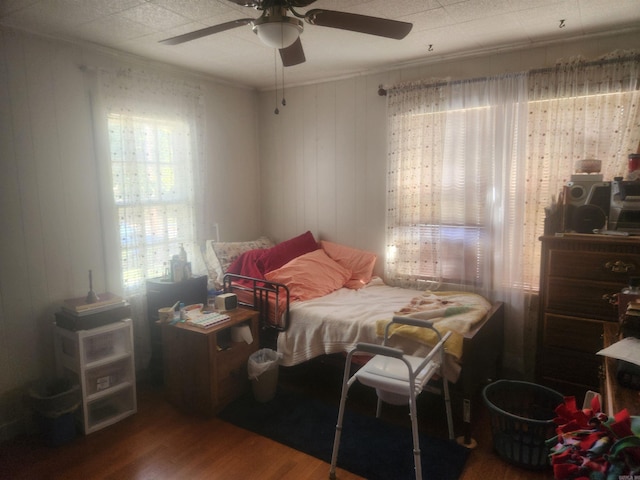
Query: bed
pixel 320 298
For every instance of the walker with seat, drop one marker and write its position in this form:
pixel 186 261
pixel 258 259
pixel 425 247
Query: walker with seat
pixel 398 380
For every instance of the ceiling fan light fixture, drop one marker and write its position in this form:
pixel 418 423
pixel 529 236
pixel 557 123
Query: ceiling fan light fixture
pixel 278 31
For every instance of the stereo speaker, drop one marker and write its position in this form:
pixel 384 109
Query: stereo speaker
pixel 585 192
pixel 588 202
pixel 587 218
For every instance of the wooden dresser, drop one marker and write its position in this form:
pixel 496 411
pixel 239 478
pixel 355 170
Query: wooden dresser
pixel 579 275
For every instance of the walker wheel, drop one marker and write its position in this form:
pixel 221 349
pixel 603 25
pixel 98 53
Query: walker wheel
pixel 471 445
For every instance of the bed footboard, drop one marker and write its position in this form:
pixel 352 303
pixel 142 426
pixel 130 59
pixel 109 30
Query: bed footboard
pixel 482 363
pixel 270 299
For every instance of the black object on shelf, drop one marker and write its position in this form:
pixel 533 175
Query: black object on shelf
pixel 163 293
pixel 87 322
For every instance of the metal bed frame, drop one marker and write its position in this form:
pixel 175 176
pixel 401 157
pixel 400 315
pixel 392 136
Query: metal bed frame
pixel 482 350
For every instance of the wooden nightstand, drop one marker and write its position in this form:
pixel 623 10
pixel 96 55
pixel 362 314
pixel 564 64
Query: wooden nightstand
pixel 204 369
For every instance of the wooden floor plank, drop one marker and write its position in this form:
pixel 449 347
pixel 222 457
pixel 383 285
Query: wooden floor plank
pixel 161 442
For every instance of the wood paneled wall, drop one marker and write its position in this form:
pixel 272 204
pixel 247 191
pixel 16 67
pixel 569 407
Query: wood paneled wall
pixel 323 159
pixel 52 232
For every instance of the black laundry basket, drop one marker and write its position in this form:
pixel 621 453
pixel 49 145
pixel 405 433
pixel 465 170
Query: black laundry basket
pixel 54 404
pixel 522 416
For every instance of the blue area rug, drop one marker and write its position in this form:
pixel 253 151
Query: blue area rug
pixel 370 447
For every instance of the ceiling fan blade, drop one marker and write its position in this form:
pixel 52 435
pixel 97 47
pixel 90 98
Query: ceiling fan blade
pixel 300 3
pixel 187 37
pixel 382 27
pixel 293 54
pixel 247 3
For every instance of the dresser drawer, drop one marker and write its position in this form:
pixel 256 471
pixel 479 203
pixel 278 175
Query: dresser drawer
pixel 581 298
pixel 572 333
pixel 599 266
pixel 579 275
pixel 562 365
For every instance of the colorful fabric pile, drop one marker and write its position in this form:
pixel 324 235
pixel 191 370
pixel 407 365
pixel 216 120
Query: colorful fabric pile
pixel 590 445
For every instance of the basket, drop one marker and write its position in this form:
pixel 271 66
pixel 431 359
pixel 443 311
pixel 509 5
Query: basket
pixel 54 398
pixel 522 416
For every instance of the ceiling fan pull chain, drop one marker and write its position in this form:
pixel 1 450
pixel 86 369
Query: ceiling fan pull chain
pixel 275 71
pixel 284 102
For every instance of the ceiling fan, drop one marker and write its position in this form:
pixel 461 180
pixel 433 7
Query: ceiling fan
pixel 278 30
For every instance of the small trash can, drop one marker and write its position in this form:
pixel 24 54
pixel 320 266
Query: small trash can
pixel 522 416
pixel 263 373
pixel 54 404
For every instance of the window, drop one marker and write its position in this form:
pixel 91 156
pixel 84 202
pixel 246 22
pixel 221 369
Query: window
pixel 474 166
pixel 152 178
pixel 449 244
pixel 455 151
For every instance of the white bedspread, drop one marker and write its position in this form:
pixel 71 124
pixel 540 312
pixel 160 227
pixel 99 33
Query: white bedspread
pixel 336 322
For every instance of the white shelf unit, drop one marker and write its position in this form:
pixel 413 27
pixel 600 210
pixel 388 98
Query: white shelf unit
pixel 101 361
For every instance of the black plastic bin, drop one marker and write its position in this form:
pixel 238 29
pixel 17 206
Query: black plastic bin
pixel 522 416
pixel 54 404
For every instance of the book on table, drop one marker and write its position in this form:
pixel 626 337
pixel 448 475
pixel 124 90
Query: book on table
pixel 92 319
pixel 79 306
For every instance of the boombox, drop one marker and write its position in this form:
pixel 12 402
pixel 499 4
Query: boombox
pixel 588 202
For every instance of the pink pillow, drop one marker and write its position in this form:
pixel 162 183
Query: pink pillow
pixel 310 275
pixel 360 262
pixel 283 252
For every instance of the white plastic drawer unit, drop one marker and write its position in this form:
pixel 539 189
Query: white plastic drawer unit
pixel 97 346
pixel 101 361
pixel 104 378
pixel 110 409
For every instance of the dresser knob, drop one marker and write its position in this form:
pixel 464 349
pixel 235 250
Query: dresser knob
pixel 619 266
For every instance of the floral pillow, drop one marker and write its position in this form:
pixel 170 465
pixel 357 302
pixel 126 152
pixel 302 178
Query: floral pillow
pixel 220 255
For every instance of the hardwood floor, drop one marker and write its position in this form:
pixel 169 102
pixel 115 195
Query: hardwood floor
pixel 161 442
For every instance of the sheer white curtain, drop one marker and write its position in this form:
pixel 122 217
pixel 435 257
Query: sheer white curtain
pixel 148 135
pixel 473 165
pixel 579 110
pixel 456 182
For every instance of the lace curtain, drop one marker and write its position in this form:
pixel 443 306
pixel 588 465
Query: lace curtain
pixel 456 171
pixel 148 135
pixel 578 111
pixel 473 165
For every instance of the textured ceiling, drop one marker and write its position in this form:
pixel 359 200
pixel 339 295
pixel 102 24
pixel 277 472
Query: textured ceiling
pixel 441 29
